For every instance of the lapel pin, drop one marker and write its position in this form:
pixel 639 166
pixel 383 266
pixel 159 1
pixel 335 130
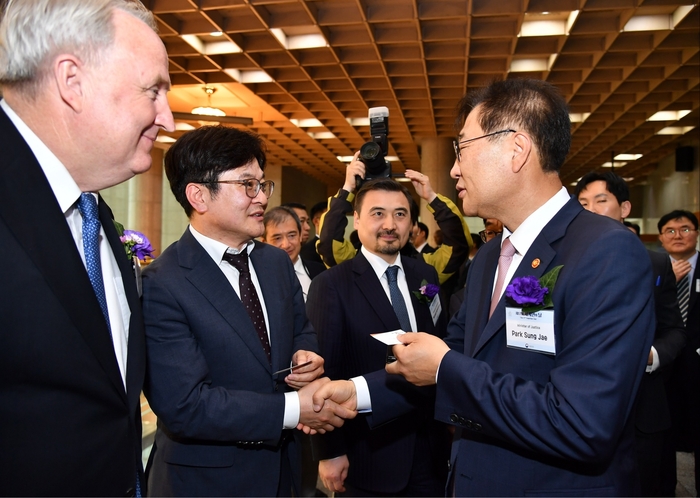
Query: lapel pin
pixel 536 262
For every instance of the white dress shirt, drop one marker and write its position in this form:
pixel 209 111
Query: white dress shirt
pixel 302 276
pixel 67 194
pixel 379 265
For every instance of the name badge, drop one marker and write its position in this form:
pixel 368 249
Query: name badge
pixel 435 309
pixel 530 331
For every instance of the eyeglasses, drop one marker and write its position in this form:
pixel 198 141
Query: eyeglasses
pixel 487 235
pixel 253 186
pixel 458 145
pixel 684 232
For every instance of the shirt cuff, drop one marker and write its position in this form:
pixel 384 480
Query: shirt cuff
pixel 292 410
pixel 364 401
pixel 654 362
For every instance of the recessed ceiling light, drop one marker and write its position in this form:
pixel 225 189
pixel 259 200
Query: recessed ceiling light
pixel 675 130
pixel 216 33
pixel 668 115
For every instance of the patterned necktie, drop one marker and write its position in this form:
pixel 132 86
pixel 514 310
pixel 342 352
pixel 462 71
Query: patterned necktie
pixel 507 252
pixel 683 288
pixel 249 298
pixel 87 205
pixel 397 299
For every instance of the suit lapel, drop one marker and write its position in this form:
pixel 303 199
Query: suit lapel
pixel 135 366
pixel 212 283
pixel 424 319
pixel 370 287
pixel 540 249
pixel 30 210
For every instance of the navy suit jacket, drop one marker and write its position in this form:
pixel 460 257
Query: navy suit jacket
pixel 540 424
pixel 67 424
pixel 346 304
pixel 220 408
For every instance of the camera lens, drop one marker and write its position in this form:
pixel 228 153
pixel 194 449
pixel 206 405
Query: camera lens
pixel 370 150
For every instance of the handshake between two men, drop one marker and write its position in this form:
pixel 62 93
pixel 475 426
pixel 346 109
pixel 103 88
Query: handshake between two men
pixel 417 360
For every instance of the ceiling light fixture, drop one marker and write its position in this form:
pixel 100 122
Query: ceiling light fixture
pixel 209 110
pixel 668 115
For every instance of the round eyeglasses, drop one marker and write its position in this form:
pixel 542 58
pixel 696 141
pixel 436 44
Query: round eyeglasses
pixel 252 186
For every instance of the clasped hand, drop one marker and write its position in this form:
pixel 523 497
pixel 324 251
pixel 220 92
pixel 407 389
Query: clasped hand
pixel 321 413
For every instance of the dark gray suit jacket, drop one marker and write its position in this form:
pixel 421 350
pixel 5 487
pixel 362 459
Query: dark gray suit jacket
pixel 220 408
pixel 67 425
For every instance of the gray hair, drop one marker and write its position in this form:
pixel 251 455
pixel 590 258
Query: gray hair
pixel 33 31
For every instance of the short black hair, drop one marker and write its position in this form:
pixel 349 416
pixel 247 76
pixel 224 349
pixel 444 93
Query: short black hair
pixel 388 185
pixel 675 215
pixel 280 214
pixel 633 226
pixel 424 228
pixel 317 208
pixel 294 205
pixel 614 184
pixel 534 106
pixel 202 155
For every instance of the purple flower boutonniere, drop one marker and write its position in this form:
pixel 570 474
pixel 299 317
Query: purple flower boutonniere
pixel 426 292
pixel 135 243
pixel 533 294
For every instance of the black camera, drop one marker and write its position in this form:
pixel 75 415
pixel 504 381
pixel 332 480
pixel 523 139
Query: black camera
pixel 373 153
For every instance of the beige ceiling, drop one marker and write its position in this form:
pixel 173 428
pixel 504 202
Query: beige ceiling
pixel 418 57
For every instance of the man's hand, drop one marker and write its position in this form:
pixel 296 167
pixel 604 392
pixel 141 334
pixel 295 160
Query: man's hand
pixel 419 358
pixel 355 168
pixel 341 392
pixel 333 473
pixel 681 269
pixel 422 185
pixel 324 416
pixel 303 375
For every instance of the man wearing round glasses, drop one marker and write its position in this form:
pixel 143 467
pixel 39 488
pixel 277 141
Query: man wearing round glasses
pixel 678 234
pixel 225 319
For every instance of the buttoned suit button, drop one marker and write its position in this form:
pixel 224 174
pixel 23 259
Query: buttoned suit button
pixel 455 418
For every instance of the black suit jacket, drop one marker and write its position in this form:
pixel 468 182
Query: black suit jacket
pixel 652 411
pixel 345 305
pixel 67 425
pixel 313 269
pixel 308 251
pixel 684 386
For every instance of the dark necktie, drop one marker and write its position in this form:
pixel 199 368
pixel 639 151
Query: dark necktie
pixel 397 299
pixel 506 257
pixel 683 288
pixel 87 205
pixel 249 298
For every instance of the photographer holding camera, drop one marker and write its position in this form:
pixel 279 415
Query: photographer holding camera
pixel 447 259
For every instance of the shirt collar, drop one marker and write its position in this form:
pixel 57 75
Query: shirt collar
pixel 216 249
pixel 530 229
pixel 378 264
pixel 62 184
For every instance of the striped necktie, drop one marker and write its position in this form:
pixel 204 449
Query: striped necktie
pixel 683 287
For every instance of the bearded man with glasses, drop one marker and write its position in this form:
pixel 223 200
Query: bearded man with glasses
pixel 225 319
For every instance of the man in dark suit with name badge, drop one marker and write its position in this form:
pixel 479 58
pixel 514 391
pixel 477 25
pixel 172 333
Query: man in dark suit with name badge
pixel 539 385
pixel 376 292
pixel 225 321
pixel 84 85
